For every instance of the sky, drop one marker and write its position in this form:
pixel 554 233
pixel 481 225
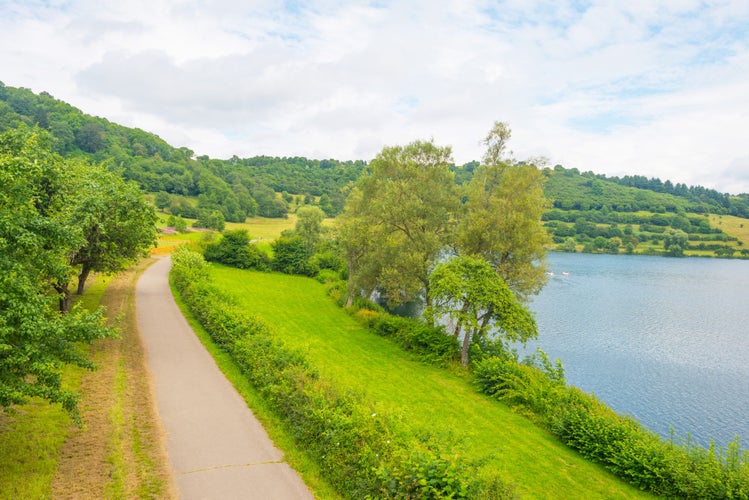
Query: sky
pixel 658 88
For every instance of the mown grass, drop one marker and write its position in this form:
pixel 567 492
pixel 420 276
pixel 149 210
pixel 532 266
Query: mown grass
pixel 118 453
pixel 430 397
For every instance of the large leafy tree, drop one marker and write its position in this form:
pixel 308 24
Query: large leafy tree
pixel 402 208
pixel 116 225
pixel 35 339
pixel 501 219
pixel 468 291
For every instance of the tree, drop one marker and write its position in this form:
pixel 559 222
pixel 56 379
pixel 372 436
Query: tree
pixel 355 241
pixel 90 137
pixel 117 225
pixel 210 219
pixel 35 339
pixel 675 242
pixel 478 303
pixel 162 200
pixel 496 144
pixel 613 245
pixel 569 245
pixel 406 203
pixel 309 225
pixel 501 218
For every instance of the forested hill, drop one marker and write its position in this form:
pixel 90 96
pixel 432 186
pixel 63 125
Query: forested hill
pixel 236 188
pixel 571 190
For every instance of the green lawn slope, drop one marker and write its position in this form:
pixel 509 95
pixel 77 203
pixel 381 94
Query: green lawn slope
pixel 444 402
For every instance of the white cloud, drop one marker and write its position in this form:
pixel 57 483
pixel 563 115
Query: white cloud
pixel 639 87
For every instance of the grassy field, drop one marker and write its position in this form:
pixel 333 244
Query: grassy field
pixel 434 398
pixel 734 226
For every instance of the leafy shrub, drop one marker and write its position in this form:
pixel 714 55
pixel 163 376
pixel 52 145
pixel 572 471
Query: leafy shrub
pixel 291 255
pixel 234 249
pixel 430 343
pixel 327 276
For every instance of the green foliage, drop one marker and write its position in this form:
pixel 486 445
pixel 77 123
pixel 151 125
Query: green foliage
pixel 501 222
pixel 291 255
pixel 238 188
pixel 234 249
pixel 362 452
pixel 210 219
pixel 675 242
pixel 618 442
pixel 652 212
pixel 117 225
pixel 309 225
pixel 35 339
pixel 468 291
pixel 429 343
pixel 398 220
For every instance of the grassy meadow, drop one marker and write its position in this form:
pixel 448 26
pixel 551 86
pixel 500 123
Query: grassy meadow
pixel 734 226
pixel 440 400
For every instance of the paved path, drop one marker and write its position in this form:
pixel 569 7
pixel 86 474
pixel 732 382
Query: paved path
pixel 216 447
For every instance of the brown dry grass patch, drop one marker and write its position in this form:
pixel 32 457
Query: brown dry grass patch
pixel 120 452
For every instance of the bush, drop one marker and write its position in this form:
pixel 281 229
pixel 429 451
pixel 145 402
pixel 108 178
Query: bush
pixel 430 343
pixel 234 249
pixel 292 256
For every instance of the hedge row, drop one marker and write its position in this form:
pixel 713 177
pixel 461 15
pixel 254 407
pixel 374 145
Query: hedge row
pixel 621 444
pixel 363 454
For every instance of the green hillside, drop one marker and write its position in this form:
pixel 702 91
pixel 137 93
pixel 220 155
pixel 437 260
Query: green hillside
pixel 594 214
pixel 426 396
pixel 236 188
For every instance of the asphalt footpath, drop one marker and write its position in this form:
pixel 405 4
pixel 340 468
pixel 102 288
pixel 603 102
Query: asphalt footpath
pixel 217 449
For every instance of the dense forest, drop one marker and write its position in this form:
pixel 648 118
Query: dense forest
pixel 589 208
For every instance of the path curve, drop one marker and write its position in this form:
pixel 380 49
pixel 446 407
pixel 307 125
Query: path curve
pixel 217 449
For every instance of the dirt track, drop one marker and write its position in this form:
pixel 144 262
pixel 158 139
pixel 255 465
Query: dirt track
pixel 216 447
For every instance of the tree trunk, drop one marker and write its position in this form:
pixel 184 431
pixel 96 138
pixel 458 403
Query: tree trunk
pixel 484 324
pixel 350 283
pixel 65 298
pixel 459 325
pixel 466 345
pixel 85 270
pixel 428 303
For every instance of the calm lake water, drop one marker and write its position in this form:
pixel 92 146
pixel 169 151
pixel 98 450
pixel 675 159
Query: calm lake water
pixel 665 340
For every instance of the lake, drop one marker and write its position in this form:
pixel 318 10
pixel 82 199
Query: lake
pixel 665 340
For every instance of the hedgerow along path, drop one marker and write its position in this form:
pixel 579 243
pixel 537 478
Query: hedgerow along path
pixel 216 447
pixel 430 397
